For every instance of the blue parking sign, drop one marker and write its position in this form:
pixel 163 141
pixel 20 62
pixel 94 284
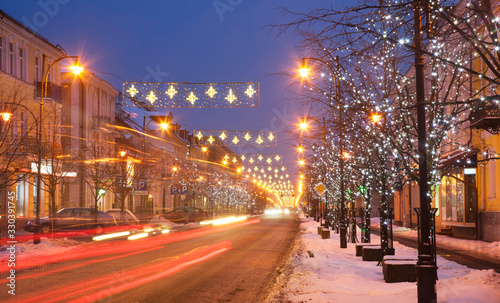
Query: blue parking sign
pixel 141 185
pixel 184 190
pixel 174 190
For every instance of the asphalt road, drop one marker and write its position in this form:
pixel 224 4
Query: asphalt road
pixel 229 263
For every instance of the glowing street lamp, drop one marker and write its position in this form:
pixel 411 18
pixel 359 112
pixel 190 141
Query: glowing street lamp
pixel 6 116
pixel 300 149
pixel 304 70
pixel 303 125
pixel 376 118
pixel 77 69
pixel 164 126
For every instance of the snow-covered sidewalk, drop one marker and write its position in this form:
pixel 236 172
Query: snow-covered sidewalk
pixel 337 275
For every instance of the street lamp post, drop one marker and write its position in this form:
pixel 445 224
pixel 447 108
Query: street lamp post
pixel 77 69
pixel 164 123
pixel 426 268
pixel 304 71
pixel 6 117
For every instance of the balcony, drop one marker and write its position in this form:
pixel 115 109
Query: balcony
pixel 54 91
pixel 485 116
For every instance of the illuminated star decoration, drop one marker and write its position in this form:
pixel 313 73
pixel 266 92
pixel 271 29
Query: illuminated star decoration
pixel 259 140
pixel 250 91
pixel 223 136
pixel 270 137
pixel 211 91
pixel 199 136
pixel 132 91
pixel 247 136
pixel 151 97
pixel 231 97
pixel 192 98
pixel 171 91
pixel 236 140
pixel 211 139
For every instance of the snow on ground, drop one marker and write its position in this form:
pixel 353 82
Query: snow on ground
pixel 337 275
pixel 482 248
pixel 46 247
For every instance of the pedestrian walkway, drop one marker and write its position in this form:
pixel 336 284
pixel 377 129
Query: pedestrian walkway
pixel 320 271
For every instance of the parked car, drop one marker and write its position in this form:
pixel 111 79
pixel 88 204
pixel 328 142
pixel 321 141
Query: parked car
pixel 179 215
pixel 73 218
pixel 125 218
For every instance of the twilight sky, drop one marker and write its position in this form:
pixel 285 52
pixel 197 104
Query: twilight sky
pixel 184 41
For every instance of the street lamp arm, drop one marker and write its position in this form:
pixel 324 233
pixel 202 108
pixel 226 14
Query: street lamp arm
pixel 23 106
pixel 45 76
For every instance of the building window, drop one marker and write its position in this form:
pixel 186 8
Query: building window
pixel 21 64
pixel 11 58
pixel 13 127
pixel 23 125
pixel 459 196
pixel 492 178
pixel 37 69
pixel 1 54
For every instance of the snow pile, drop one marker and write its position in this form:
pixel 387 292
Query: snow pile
pixel 46 247
pixel 337 275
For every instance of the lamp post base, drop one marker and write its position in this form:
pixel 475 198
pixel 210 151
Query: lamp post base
pixel 426 282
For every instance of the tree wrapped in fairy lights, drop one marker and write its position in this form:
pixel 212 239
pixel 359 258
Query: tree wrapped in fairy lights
pixel 384 47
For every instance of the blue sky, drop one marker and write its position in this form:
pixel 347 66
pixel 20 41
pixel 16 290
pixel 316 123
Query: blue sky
pixel 184 41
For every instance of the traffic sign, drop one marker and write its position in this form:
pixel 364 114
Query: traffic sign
pixel 141 185
pixel 320 189
pixel 184 190
pixel 174 189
